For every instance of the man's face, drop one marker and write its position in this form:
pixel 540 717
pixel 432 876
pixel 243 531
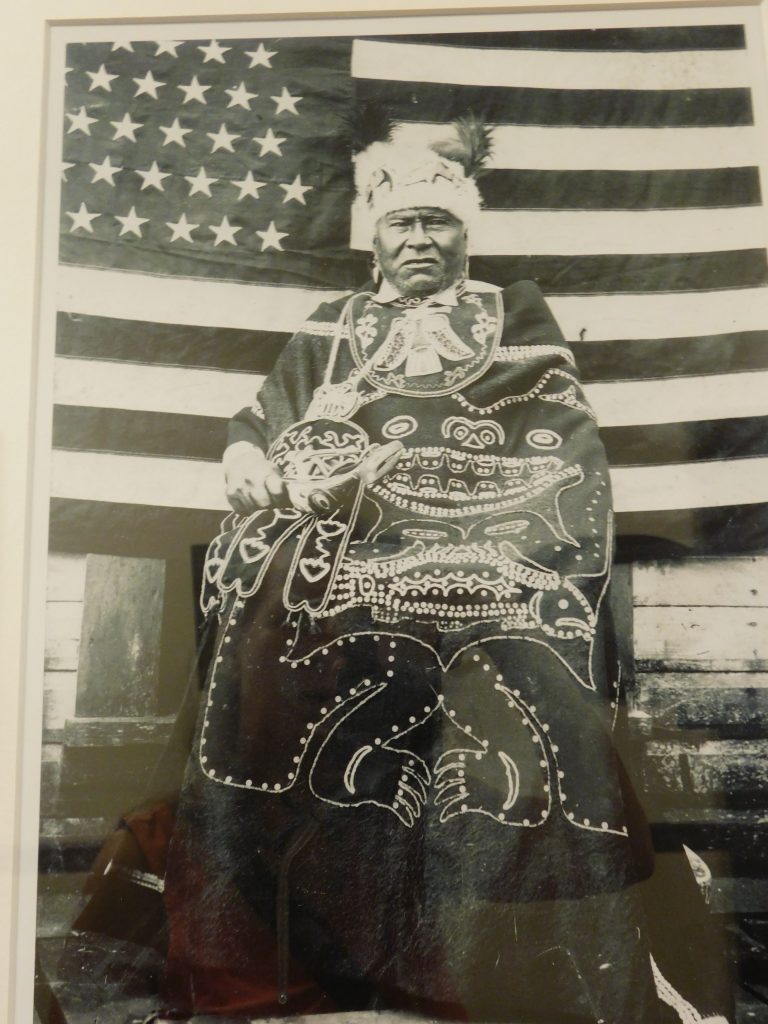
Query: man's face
pixel 420 251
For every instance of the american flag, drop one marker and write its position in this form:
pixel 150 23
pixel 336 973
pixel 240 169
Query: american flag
pixel 207 208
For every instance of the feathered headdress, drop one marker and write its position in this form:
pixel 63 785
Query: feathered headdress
pixel 395 174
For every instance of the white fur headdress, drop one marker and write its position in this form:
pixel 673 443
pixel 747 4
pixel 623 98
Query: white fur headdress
pixel 397 175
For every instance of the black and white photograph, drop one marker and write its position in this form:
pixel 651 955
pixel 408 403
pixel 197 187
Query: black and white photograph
pixel 399 644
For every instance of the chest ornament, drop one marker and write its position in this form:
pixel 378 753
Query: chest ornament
pixel 425 349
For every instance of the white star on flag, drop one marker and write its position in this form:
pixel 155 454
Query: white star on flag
pixel 122 46
pixel 174 133
pixel 261 57
pixel 269 143
pixel 214 51
pixel 194 91
pixel 286 104
pixel 104 171
pixel 82 219
pixel 296 191
pixel 148 86
pixel 181 228
pixel 167 46
pixel 126 129
pixel 225 232
pixel 153 178
pixel 270 239
pixel 66 166
pixel 80 122
pixel 222 139
pixel 200 182
pixel 248 186
pixel 101 79
pixel 240 97
pixel 131 223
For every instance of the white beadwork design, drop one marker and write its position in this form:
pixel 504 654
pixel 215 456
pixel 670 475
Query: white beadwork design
pixel 475 484
pixel 323 328
pixel 669 995
pixel 476 434
pixel 519 353
pixel 399 427
pixel 544 439
pixel 570 398
pixel 525 396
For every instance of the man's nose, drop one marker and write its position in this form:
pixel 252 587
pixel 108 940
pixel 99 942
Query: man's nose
pixel 417 236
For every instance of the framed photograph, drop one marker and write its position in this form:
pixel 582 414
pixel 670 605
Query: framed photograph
pixel 395 594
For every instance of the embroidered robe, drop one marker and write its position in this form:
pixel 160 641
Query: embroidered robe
pixel 408 740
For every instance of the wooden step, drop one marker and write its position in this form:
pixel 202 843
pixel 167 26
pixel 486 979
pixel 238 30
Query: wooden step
pixel 712 772
pixel 107 781
pixel 742 835
pixel 735 701
pixel 695 638
pixel 117 731
pixel 716 582
pixel 59 897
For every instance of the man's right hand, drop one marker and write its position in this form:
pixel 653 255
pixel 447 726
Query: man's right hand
pixel 252 481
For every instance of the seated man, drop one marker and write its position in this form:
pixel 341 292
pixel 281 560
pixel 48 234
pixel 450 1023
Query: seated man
pixel 406 791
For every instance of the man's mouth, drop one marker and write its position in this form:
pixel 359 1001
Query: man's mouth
pixel 419 264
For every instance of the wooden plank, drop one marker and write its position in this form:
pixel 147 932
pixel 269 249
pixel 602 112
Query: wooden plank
pixel 51 752
pixel 750 1009
pixel 120 650
pixel 66 577
pixel 739 896
pixel 62 655
pixel 63 628
pixel 76 830
pixel 115 732
pixel 730 639
pixel 696 700
pixel 107 781
pixel 717 582
pixel 63 620
pixel 739 834
pixel 50 787
pixel 59 695
pixel 738 768
pixel 58 899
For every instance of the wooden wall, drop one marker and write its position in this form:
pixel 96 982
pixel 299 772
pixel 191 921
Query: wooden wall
pixel 102 733
pixel 700 700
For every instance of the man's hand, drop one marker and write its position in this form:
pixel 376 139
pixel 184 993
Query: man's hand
pixel 252 482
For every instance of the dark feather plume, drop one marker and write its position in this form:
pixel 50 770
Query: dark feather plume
pixel 371 122
pixel 471 146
